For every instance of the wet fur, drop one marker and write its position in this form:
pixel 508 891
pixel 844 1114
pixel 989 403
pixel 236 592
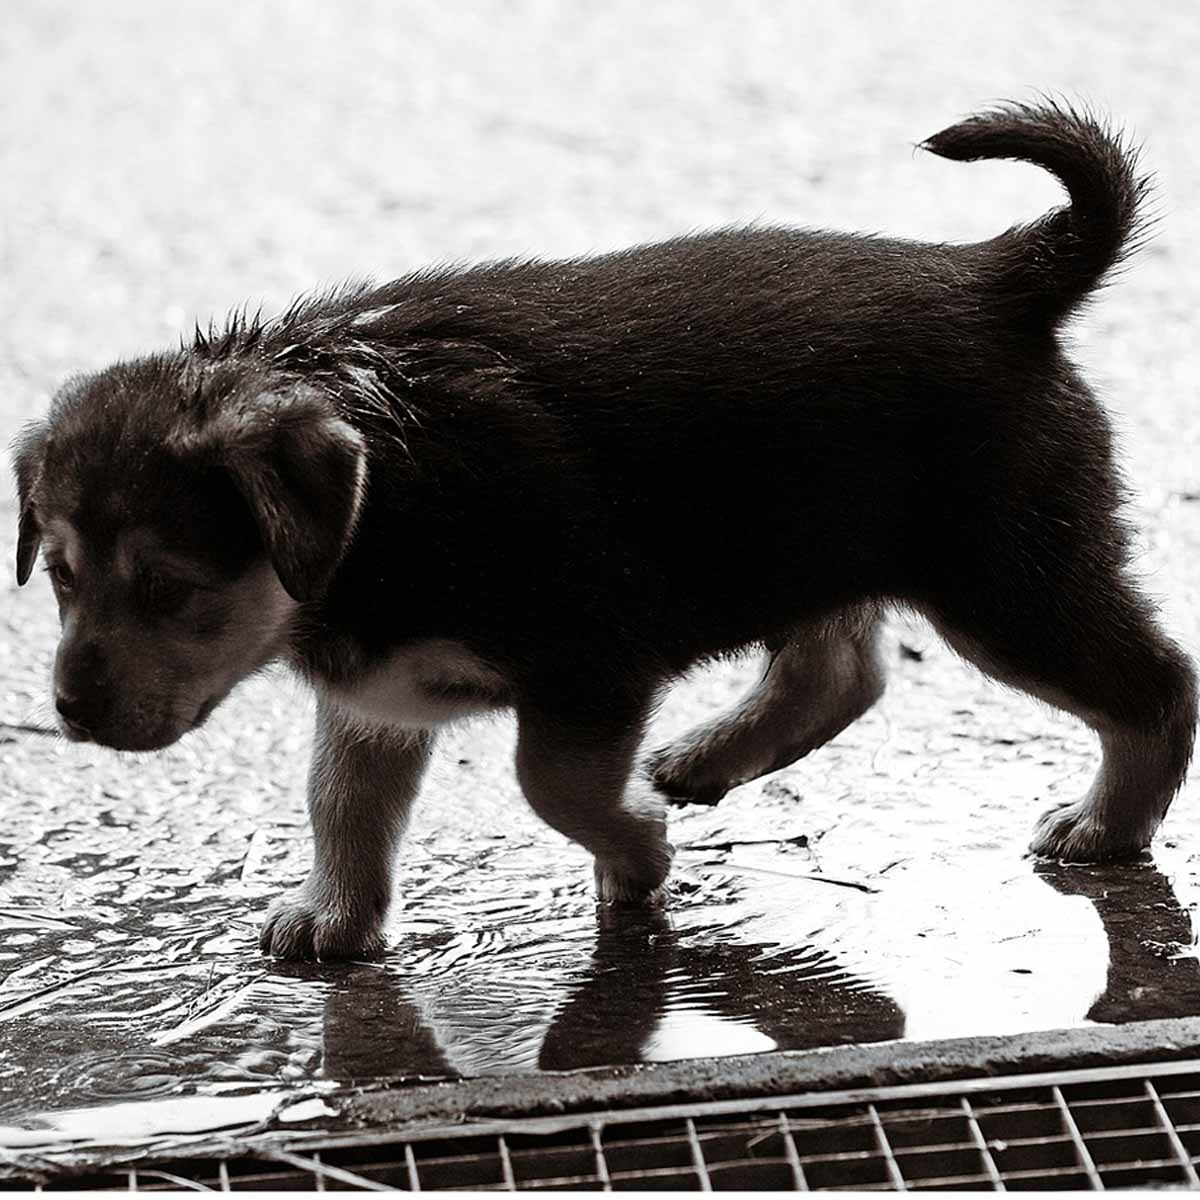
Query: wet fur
pixel 554 486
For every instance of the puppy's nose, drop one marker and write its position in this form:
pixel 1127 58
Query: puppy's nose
pixel 76 712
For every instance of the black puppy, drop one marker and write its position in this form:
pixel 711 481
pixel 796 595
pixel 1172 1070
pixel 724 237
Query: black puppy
pixel 555 486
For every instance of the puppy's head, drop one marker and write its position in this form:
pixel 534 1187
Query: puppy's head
pixel 183 516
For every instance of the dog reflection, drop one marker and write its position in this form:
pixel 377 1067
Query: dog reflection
pixel 1147 929
pixel 645 977
pixel 649 993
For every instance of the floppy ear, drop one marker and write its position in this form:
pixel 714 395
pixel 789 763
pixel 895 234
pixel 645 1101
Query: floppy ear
pixel 302 469
pixel 29 452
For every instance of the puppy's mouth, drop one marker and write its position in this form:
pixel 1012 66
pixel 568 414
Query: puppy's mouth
pixel 124 739
pixel 127 735
pixel 73 731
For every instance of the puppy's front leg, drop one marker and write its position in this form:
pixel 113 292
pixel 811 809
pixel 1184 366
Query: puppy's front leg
pixel 361 786
pixel 579 777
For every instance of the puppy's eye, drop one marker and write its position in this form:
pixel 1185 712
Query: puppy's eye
pixel 61 576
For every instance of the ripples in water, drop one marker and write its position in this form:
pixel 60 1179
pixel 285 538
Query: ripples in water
pixel 148 986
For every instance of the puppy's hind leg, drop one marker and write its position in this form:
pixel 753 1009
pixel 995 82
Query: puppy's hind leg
pixel 361 786
pixel 1085 641
pixel 576 768
pixel 817 682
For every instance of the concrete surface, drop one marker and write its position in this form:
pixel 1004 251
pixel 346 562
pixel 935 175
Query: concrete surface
pixel 138 1134
pixel 161 165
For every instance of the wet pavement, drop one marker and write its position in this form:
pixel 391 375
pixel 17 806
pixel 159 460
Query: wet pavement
pixel 876 891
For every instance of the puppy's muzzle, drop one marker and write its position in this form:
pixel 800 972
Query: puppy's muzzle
pixel 82 693
pixel 80 715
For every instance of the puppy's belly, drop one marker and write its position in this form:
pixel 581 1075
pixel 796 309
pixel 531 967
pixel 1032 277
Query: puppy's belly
pixel 424 685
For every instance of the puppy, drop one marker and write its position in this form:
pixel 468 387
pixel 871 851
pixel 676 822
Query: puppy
pixel 555 486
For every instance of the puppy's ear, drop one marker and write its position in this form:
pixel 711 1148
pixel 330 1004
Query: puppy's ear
pixel 29 452
pixel 302 469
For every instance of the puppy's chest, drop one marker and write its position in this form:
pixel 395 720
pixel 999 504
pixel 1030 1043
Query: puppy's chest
pixel 424 685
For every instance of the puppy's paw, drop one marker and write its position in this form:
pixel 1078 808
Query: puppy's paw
pixel 634 878
pixel 680 776
pixel 304 925
pixel 1074 833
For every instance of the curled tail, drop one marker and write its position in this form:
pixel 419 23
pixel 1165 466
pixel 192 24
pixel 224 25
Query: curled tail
pixel 1052 265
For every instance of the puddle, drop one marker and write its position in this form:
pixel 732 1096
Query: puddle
pixel 857 898
pixel 499 965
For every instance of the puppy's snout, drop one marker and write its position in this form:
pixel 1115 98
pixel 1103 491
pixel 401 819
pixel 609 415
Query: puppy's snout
pixel 80 713
pixel 81 694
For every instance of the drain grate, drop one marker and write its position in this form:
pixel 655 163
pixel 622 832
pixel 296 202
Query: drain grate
pixel 1110 1127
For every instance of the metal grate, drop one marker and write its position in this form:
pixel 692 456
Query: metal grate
pixel 1116 1127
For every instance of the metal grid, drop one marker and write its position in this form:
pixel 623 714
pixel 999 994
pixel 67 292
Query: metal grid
pixel 1116 1127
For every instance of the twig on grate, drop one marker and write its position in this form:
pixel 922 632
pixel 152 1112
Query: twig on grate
pixel 177 1181
pixel 322 1170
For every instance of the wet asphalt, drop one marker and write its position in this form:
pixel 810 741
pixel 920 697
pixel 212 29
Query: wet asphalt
pixel 158 169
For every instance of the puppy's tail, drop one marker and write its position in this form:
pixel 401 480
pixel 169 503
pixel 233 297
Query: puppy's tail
pixel 1050 267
